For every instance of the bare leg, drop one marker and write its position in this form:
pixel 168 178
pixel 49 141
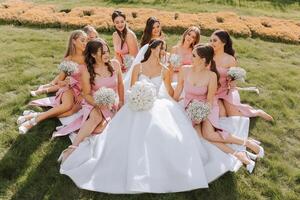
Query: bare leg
pixel 75 109
pixel 210 134
pixel 222 109
pixel 231 109
pixel 100 127
pixel 65 106
pixel 223 147
pixel 43 90
pixel 86 130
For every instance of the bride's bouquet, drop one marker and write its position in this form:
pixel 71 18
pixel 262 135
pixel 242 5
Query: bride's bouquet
pixel 237 73
pixel 198 111
pixel 175 60
pixel 142 96
pixel 105 96
pixel 68 67
pixel 128 60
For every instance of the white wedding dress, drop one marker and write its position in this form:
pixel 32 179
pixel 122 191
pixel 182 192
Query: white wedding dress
pixel 153 151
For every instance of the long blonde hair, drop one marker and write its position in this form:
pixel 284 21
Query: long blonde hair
pixel 71 47
pixel 190 29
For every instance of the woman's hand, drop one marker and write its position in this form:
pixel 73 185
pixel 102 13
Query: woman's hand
pixel 121 103
pixel 78 99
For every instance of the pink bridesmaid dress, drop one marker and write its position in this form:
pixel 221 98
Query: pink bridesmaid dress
pixel 122 52
pixel 108 82
pixel 56 100
pixel 200 94
pixel 232 96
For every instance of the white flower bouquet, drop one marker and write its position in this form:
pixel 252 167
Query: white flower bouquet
pixel 105 96
pixel 237 73
pixel 142 96
pixel 68 67
pixel 175 60
pixel 128 60
pixel 198 111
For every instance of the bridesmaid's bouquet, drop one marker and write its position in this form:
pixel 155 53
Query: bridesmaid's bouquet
pixel 175 60
pixel 105 96
pixel 142 96
pixel 237 73
pixel 128 60
pixel 198 111
pixel 68 67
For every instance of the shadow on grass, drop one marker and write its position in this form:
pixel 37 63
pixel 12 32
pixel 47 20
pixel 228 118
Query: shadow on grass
pixel 46 183
pixel 17 159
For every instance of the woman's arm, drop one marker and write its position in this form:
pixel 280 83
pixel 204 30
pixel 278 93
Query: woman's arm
pixel 116 42
pixel 120 83
pixel 86 88
pixel 132 43
pixel 179 87
pixel 212 88
pixel 135 74
pixel 167 81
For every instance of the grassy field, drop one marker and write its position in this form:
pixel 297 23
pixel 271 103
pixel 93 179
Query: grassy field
pixel 29 57
pixel 28 168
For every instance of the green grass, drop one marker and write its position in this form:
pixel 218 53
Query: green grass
pixel 28 168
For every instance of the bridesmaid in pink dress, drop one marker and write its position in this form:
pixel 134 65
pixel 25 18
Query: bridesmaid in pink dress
pixel 229 98
pixel 124 39
pixel 190 38
pixel 68 99
pixel 101 72
pixel 152 31
pixel 200 84
pixel 91 32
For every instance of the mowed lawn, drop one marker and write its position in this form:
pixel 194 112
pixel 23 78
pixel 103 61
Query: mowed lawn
pixel 28 167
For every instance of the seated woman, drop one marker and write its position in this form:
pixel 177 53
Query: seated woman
pixel 155 150
pixel 101 72
pixel 68 99
pixel 124 40
pixel 183 50
pixel 228 95
pixel 200 84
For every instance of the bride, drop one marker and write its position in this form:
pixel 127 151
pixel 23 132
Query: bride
pixel 153 151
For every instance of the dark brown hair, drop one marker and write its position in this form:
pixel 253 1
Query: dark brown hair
pixel 152 45
pixel 91 49
pixel 225 38
pixel 122 34
pixel 147 34
pixel 206 51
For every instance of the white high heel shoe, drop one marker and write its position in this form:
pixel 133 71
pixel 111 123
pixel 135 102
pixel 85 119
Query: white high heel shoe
pixel 252 156
pixel 41 91
pixel 23 129
pixel 251 165
pixel 261 152
pixel 61 157
pixel 24 118
pixel 28 112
